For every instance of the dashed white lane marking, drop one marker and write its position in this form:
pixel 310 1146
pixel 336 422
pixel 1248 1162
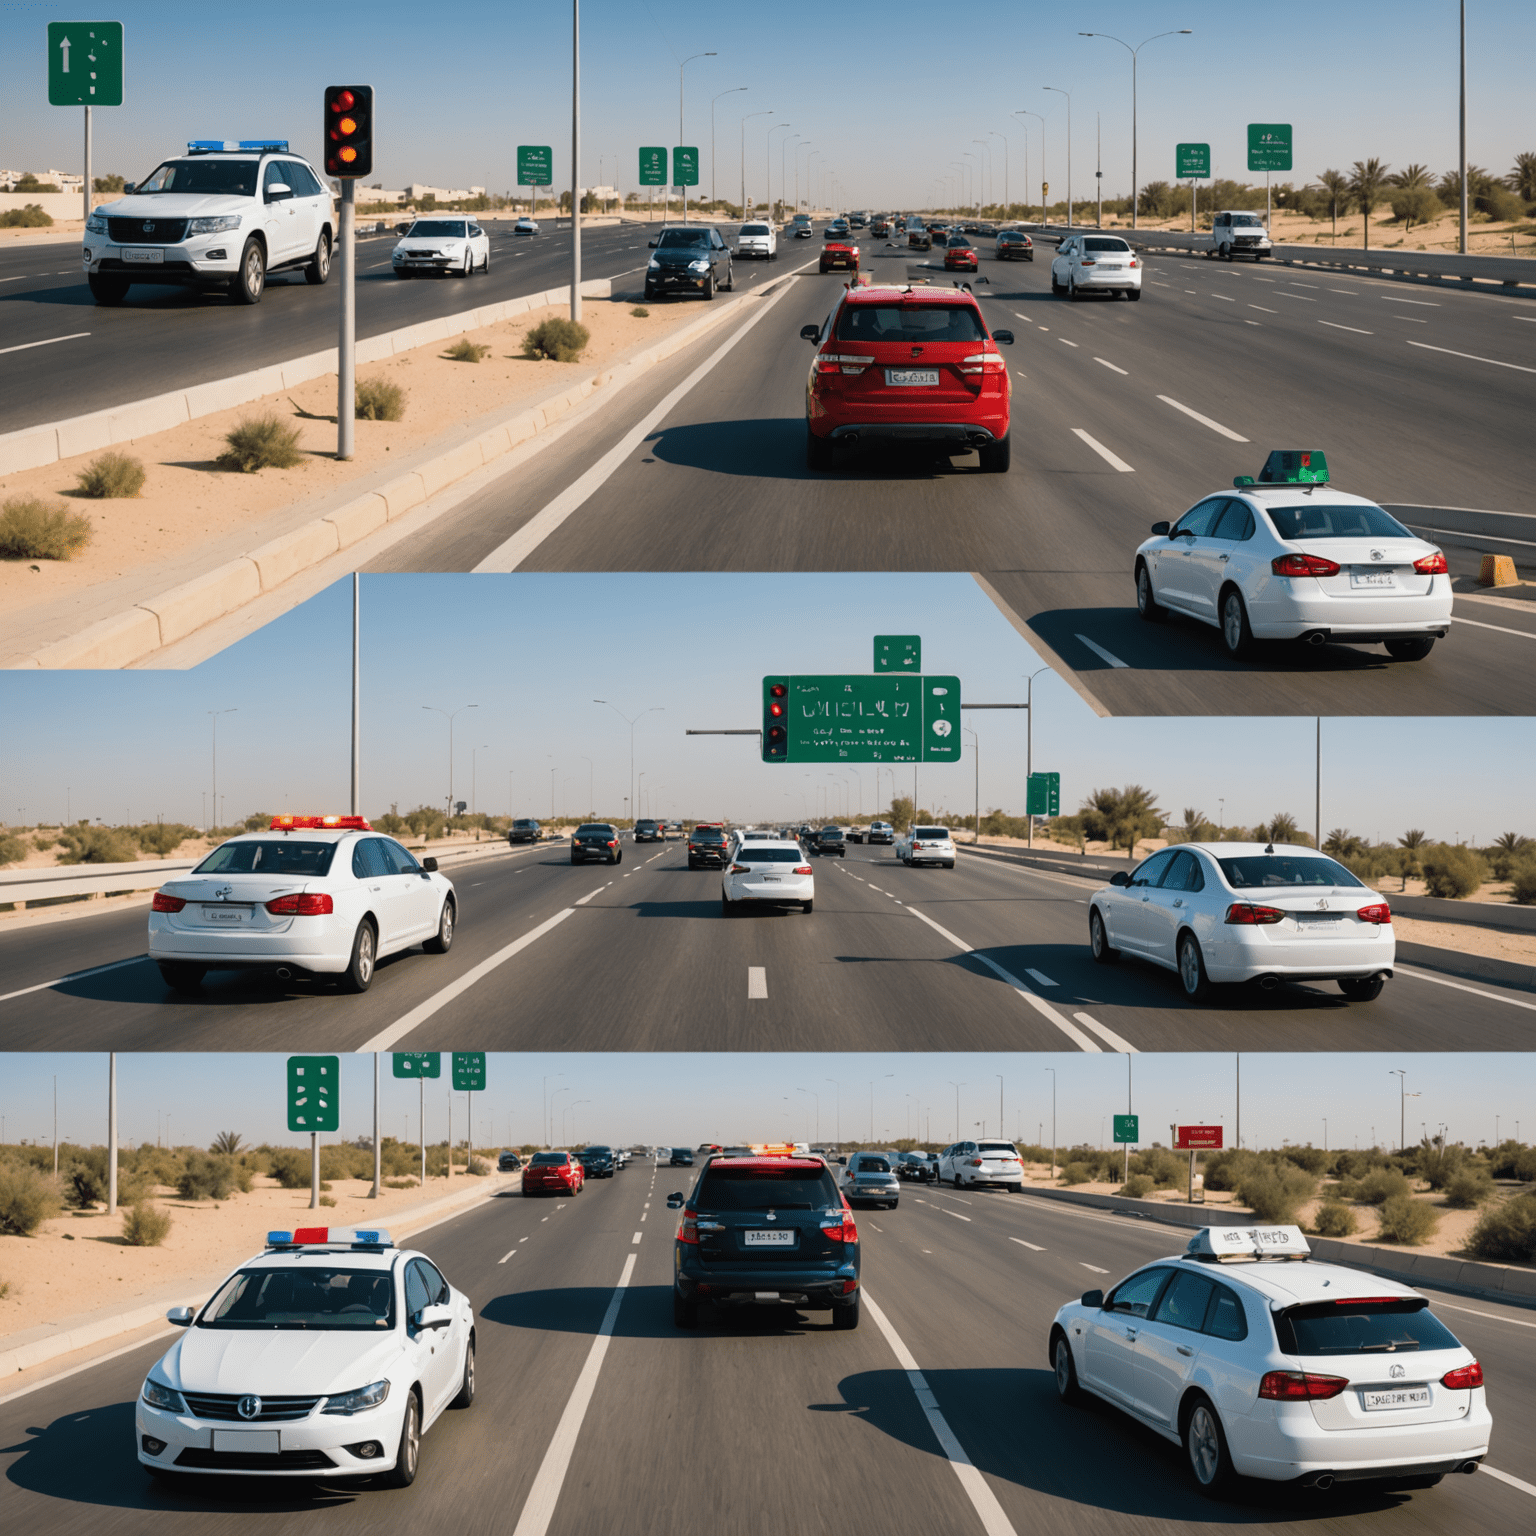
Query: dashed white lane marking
pixel 1021 373
pixel 1497 1317
pixel 1106 1034
pixel 1114 461
pixel 590 894
pixel 1305 285
pixel 1471 357
pixel 1205 421
pixel 1349 291
pixel 1458 986
pixel 1253 322
pixel 1063 340
pixel 1036 976
pixel 1225 298
pixel 955 1214
pixel 503 1259
pixel 1414 319
pixel 1112 368
pixel 1101 653
pixel 1094 1267
pixel 1524 634
pixel 757 981
pixel 28 345
pixel 1261 308
pixel 1422 303
pixel 1033 1247
pixel 1355 328
pixel 636 1238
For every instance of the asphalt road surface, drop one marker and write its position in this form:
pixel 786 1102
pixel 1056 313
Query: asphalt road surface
pixel 1421 398
pixel 937 1414
pixel 638 956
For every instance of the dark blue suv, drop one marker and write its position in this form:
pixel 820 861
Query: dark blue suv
pixel 597 1162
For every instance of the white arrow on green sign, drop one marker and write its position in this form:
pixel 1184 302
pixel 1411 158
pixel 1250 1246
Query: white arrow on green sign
pixel 85 63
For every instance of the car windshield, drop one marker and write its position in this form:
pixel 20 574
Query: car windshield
pixel 682 239
pixel 234 178
pixel 938 833
pixel 437 229
pixel 919 322
pixel 303 1297
pixel 1362 1328
pixel 275 856
pixel 594 829
pixel 831 831
pixel 1104 243
pixel 1245 221
pixel 597 1152
pixel 1277 871
pixel 959 243
pixel 1322 521
pixel 546 1158
pixel 768 856
pixel 765 1189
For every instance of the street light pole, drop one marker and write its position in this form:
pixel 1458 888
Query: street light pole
pixel 680 68
pixel 214 716
pixel 872 1083
pixel 809 151
pixel 976 825
pixel 1004 137
pixel 1025 112
pixel 768 112
pixel 1462 246
pixel 654 709
pixel 450 718
pixel 986 191
pixel 957 1087
pixel 783 179
pixel 1058 90
pixel 575 206
pixel 1052 1071
pixel 713 99
pixel 768 164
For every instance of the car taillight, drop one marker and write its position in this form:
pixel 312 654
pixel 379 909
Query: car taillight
pixel 975 1162
pixel 688 1228
pixel 741 869
pixel 1463 1378
pixel 1246 914
pixel 804 869
pixel 842 362
pixel 1133 262
pixel 1297 1386
pixel 1431 565
pixel 1303 565
pixel 1377 912
pixel 302 904
pixel 840 1229
pixel 613 842
pixel 164 903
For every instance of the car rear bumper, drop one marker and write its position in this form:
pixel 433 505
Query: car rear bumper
pixel 1228 960
pixel 1292 1445
pixel 1289 610
pixel 791 891
pixel 959 434
pixel 228 952
pixel 749 1285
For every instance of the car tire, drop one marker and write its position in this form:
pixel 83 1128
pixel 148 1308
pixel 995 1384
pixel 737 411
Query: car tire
pixel 574 859
pixel 1055 286
pixel 845 1318
pixel 727 908
pixel 466 1393
pixel 442 941
pixel 996 456
pixel 250 280
pixel 1205 1450
pixel 1133 294
pixel 729 285
pixel 1410 650
pixel 818 450
pixel 685 1311
pixel 1225 253
pixel 1362 989
pixel 1098 939
pixel 709 288
pixel 1065 1371
pixel 807 907
pixel 650 294
pixel 485 266
pixel 358 976
pixel 469 264
pixel 1073 292
pixel 319 268
pixel 108 292
pixel 1147 604
pixel 186 979
pixel 1236 634
pixel 408 1451
pixel 1193 977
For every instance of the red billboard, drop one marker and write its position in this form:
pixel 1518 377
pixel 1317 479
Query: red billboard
pixel 1198 1138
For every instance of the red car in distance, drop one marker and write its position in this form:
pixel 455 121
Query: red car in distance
pixel 553 1173
pixel 839 256
pixel 959 255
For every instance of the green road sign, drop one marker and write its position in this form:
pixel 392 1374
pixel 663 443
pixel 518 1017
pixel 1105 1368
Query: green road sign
pixel 535 165
pixel 1044 795
pixel 886 718
pixel 898 653
pixel 418 1063
pixel 1128 1128
pixel 1193 161
pixel 468 1071
pixel 85 63
pixel 314 1100
pixel 653 165
pixel 1269 146
pixel 685 165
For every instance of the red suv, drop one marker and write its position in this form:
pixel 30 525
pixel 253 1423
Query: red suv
pixel 912 364
pixel 553 1173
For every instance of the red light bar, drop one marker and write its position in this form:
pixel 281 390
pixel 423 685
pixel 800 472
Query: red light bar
pixel 320 824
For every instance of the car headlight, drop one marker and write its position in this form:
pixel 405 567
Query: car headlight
pixel 96 224
pixel 698 266
pixel 655 265
pixel 159 1396
pixel 215 226
pixel 357 1402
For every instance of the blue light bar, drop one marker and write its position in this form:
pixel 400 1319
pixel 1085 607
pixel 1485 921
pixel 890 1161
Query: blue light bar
pixel 234 146
pixel 278 1239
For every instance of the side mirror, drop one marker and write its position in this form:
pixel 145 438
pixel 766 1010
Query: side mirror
pixel 128 187
pixel 1161 528
pixel 1119 878
pixel 433 1317
pixel 429 865
pixel 180 1316
pixel 652 244
pixel 1003 338
pixel 278 189
pixel 810 333
pixel 674 1202
pixel 1093 1299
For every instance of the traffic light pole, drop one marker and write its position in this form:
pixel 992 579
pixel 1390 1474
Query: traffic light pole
pixel 346 350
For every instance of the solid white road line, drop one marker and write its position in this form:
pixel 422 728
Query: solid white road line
pixel 1205 421
pixel 1524 634
pixel 1459 986
pixel 1113 460
pixel 1471 357
pixel 503 1259
pixel 1101 653
pixel 1035 976
pixel 539 1510
pixel 993 1521
pixel 1111 366
pixel 590 894
pixel 90 1365
pixel 1497 1317
pixel 58 981
pixel 419 1015
pixel 27 345
pixel 757 981
pixel 510 554
pixel 1106 1034
pixel 1033 1247
pixel 1504 1477
pixel 1355 328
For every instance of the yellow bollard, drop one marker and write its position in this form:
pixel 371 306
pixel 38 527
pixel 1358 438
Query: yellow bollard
pixel 1497 571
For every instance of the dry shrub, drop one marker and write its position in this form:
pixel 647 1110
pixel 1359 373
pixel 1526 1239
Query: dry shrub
pixel 31 216
pixel 380 400
pixel 561 340
pixel 640 312
pixel 28 1197
pixel 1406 1220
pixel 1137 1187
pixel 112 475
pixel 260 442
pixel 34 529
pixel 467 352
pixel 1507 1233
pixel 1334 1219
pixel 145 1225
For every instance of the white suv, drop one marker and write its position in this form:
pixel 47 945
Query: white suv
pixel 757 239
pixel 224 215
pixel 969 1163
pixel 926 845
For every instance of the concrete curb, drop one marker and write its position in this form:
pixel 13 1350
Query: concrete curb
pixel 37 1346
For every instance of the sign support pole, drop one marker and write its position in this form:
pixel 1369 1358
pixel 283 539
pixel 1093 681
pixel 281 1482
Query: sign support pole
pixel 87 188
pixel 346 353
pixel 357 701
pixel 378 1151
pixel 450 1135
pixel 421 1125
pixel 314 1170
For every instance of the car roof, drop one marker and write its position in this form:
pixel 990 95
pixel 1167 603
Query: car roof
pixel 924 294
pixel 768 1164
pixel 382 1260
pixel 1299 495
pixel 764 841
pixel 1225 850
pixel 1290 1282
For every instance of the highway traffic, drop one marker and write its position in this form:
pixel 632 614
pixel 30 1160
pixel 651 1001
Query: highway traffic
pixel 939 1412
pixel 991 955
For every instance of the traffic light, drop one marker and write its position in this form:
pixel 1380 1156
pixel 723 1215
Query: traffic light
pixel 775 719
pixel 349 130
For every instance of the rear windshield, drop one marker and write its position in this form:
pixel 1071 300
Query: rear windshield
pixel 873 1165
pixel 755 229
pixel 1277 871
pixel 682 239
pixel 651 825
pixel 921 323
pixel 998 1148
pixel 438 229
pixel 831 832
pixel 1245 221
pixel 764 1189
pixel 547 1157
pixel 524 825
pixel 594 829
pixel 1101 243
pixel 938 833
pixel 280 856
pixel 709 835
pixel 597 1152
pixel 1362 1328
pixel 232 177
pixel 750 855
pixel 1320 521
pixel 303 1298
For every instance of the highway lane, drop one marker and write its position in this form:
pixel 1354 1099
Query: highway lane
pixel 780 1415
pixel 719 482
pixel 989 956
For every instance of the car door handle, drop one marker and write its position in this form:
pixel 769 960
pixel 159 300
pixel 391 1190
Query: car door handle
pixel 1223 557
pixel 1130 1333
pixel 1183 1349
pixel 1179 902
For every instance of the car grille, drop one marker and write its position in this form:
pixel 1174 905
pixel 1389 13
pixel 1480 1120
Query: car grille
pixel 147 231
pixel 221 1405
pixel 252 1461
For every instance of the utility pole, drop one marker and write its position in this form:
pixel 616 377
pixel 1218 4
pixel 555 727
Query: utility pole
pixel 111 1123
pixel 213 715
pixel 575 192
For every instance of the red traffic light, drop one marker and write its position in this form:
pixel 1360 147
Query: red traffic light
pixel 344 101
pixel 778 691
pixel 349 130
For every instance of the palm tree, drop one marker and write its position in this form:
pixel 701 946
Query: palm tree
pixel 227 1142
pixel 1343 844
pixel 1412 177
pixel 1413 839
pixel 1336 185
pixel 1365 183
pixel 1522 177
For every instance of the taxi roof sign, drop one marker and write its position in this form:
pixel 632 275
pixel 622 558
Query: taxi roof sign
pixel 1226 1244
pixel 1290 466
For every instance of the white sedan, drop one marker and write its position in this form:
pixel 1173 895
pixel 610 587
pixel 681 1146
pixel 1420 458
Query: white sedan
pixel 757 239
pixel 1095 263
pixel 330 1354
pixel 526 226
pixel 926 845
pixel 767 872
pixel 457 245
pixel 311 896
pixel 1245 912
pixel 1262 1362
pixel 1297 561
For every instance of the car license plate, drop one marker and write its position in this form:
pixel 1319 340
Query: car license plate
pixel 223 915
pixel 262 1442
pixel 770 879
pixel 780 1239
pixel 920 377
pixel 149 255
pixel 1389 1398
pixel 1370 578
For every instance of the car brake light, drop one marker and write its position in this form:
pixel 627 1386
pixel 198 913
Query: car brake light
pixel 842 362
pixel 1463 1378
pixel 164 903
pixel 688 1228
pixel 840 1228
pixel 1245 914
pixel 613 842
pixel 1133 262
pixel 1303 565
pixel 1087 261
pixel 302 904
pixel 1377 912
pixel 741 869
pixel 803 869
pixel 1431 565
pixel 975 1162
pixel 1296 1386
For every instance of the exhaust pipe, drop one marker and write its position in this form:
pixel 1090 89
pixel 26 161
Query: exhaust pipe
pixel 1268 983
pixel 284 973
pixel 1317 637
pixel 1467 1466
pixel 1323 1480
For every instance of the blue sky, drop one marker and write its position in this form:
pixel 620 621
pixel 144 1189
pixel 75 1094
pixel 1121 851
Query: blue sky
pixel 686 1099
pixel 460 88
pixel 533 651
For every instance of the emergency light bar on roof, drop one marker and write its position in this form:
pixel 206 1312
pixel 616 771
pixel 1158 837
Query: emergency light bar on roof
pixel 236 146
pixel 1229 1244
pixel 331 1237
pixel 1290 466
pixel 320 824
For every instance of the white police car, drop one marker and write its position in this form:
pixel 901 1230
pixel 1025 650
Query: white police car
pixel 311 896
pixel 1262 1362
pixel 329 1354
pixel 227 214
pixel 1286 558
pixel 442 245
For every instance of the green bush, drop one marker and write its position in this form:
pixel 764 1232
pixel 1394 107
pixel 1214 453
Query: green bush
pixel 209 1176
pixel 260 442
pixel 1313 1159
pixel 1137 1187
pixel 112 475
pixel 1416 205
pixel 1452 871
pixel 290 1167
pixel 12 849
pixel 145 1225
pixel 467 352
pixel 380 400
pixel 1274 1192
pixel 327 1200
pixel 1077 1173
pixel 1468 1188
pixel 1166 1169
pixel 1379 1185
pixel 1354 1163
pixel 1500 204
pixel 85 1179
pixel 640 312
pixel 28 1197
pixel 1522 882
pixel 1334 1218
pixel 162 838
pixel 1406 1220
pixel 1506 1234
pixel 33 529
pixel 31 216
pixel 562 340
pixel 84 844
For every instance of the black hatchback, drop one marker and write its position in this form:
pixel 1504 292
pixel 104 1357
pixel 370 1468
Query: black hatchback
pixel 830 840
pixel 596 840
pixel 689 259
pixel 766 1231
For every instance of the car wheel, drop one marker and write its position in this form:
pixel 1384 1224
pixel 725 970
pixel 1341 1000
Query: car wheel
pixel 818 450
pixel 574 859
pixel 469 264
pixel 358 976
pixel 442 941
pixel 1205 1446
pixel 725 907
pixel 1133 294
pixel 408 1452
pixel 485 266
pixel 108 291
pixel 650 294
pixel 246 286
pixel 1147 604
pixel 996 456
pixel 1072 289
pixel 729 285
pixel 1236 634
pixel 685 1311
pixel 1098 939
pixel 1192 972
pixel 187 979
pixel 1067 1388
pixel 319 268
pixel 845 1318
pixel 807 907
pixel 1226 253
pixel 466 1393
pixel 709 287
pixel 1055 286
pixel 1362 989
pixel 1409 650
